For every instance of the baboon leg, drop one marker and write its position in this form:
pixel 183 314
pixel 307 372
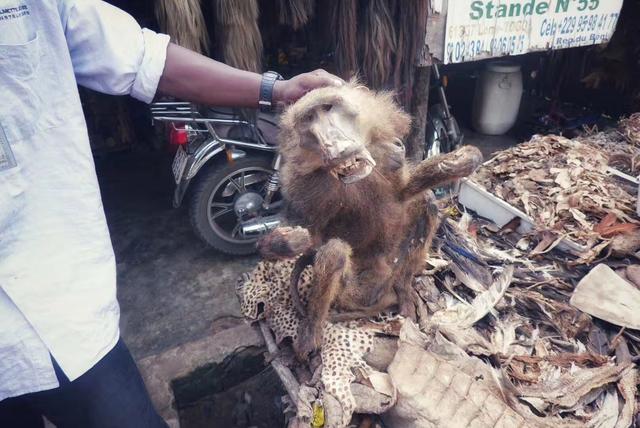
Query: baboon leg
pixel 285 242
pixel 331 268
pixel 424 213
pixel 428 209
pixel 442 169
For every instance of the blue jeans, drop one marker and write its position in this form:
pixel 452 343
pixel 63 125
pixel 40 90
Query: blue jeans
pixel 110 395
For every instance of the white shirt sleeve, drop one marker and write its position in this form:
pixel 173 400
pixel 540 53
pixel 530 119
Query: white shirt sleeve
pixel 110 52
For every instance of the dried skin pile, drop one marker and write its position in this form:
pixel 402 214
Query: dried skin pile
pixel 555 365
pixel 630 129
pixel 623 156
pixel 498 344
pixel 562 184
pixel 622 144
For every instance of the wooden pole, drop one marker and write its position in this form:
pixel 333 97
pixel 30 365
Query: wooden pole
pixel 289 381
pixel 418 109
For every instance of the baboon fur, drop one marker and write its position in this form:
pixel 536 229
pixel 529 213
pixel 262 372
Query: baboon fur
pixel 367 239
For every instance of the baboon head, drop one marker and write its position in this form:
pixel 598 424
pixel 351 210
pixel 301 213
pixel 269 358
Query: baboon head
pixel 345 131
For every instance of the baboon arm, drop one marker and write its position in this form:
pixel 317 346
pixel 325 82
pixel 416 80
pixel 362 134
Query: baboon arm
pixel 442 169
pixel 285 242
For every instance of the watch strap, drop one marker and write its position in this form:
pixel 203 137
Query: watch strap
pixel 269 80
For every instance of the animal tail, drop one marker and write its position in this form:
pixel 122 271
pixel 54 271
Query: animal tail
pixel 301 264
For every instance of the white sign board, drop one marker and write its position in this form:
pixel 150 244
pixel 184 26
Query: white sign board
pixel 479 29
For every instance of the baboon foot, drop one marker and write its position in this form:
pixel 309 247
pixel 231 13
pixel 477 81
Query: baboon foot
pixel 285 242
pixel 308 340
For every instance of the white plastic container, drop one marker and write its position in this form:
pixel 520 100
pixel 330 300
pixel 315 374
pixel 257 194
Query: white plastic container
pixel 497 98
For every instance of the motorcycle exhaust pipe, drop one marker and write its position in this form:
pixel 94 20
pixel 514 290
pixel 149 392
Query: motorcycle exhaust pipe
pixel 260 225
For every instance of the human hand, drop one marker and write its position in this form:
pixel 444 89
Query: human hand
pixel 288 91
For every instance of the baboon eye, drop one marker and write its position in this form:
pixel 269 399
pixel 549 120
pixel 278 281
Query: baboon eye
pixel 398 143
pixel 307 117
pixel 327 107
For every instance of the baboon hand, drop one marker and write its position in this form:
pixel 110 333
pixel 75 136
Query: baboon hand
pixel 442 169
pixel 462 162
pixel 285 242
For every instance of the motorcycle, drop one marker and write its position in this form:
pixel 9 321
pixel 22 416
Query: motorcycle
pixel 226 166
pixel 443 134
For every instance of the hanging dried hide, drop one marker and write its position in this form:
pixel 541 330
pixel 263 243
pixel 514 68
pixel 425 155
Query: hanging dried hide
pixel 377 40
pixel 295 13
pixel 183 21
pixel 238 29
pixel 412 24
pixel 344 18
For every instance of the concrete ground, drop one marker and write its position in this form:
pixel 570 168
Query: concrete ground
pixel 172 289
pixel 489 144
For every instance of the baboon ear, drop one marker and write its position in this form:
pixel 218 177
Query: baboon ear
pixel 401 123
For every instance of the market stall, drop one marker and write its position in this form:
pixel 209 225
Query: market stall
pixel 516 326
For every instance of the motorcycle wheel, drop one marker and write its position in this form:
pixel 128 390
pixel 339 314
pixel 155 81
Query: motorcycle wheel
pixel 437 138
pixel 215 200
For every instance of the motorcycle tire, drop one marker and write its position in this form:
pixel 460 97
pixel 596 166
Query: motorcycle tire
pixel 436 133
pixel 209 181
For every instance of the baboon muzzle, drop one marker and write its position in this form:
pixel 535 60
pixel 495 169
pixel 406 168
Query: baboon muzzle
pixel 348 159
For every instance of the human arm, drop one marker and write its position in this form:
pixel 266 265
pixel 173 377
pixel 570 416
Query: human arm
pixel 112 54
pixel 194 77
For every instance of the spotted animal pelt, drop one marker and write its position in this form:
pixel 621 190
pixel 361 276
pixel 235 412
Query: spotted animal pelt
pixel 264 294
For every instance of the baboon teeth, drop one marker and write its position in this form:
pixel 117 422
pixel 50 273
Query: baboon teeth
pixel 353 169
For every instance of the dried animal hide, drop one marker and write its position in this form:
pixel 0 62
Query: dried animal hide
pixel 412 24
pixel 344 19
pixel 568 389
pixel 630 129
pixel 377 41
pixel 295 13
pixel 509 351
pixel 464 315
pixel 265 293
pixel 441 386
pixel 562 184
pixel 237 27
pixel 603 294
pixel 184 22
pixel 623 155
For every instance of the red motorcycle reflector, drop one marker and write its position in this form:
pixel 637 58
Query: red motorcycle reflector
pixel 178 135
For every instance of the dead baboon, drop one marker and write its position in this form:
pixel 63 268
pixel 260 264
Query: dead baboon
pixel 355 208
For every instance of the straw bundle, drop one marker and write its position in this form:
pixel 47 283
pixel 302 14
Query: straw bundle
pixel 183 21
pixel 295 13
pixel 238 29
pixel 377 41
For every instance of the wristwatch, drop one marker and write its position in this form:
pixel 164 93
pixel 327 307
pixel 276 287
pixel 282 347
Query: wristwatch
pixel 269 80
